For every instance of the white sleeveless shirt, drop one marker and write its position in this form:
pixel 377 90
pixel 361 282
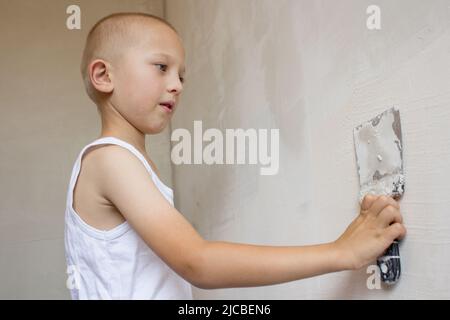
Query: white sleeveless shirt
pixel 117 263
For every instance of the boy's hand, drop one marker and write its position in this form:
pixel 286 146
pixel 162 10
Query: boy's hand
pixel 371 233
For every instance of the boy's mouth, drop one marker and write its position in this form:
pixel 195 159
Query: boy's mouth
pixel 168 106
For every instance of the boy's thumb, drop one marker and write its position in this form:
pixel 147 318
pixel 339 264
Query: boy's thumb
pixel 367 201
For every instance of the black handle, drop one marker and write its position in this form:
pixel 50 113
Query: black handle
pixel 389 264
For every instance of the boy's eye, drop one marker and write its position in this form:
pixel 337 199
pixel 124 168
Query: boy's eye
pixel 182 79
pixel 162 67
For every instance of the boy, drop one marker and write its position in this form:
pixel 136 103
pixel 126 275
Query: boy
pixel 123 236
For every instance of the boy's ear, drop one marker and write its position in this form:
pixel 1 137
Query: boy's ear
pixel 100 76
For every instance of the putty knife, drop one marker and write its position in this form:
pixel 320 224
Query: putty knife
pixel 378 146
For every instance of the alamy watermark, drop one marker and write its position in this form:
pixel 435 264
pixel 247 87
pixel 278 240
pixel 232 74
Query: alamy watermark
pixel 73 22
pixel 73 277
pixel 236 142
pixel 373 22
pixel 374 280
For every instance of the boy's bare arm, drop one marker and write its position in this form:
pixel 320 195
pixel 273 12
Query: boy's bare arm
pixel 209 264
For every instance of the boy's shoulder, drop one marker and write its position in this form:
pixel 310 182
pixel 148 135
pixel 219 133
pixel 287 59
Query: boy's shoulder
pixel 101 159
pixel 100 162
pixel 102 152
pixel 108 155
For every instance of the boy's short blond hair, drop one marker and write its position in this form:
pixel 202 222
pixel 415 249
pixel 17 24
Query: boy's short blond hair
pixel 108 37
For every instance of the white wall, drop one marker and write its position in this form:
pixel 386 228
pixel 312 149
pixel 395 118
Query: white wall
pixel 46 118
pixel 313 70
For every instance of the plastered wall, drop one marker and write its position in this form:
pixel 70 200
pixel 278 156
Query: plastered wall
pixel 314 70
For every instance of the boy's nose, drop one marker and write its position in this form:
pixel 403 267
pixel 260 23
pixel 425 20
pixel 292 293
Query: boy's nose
pixel 175 86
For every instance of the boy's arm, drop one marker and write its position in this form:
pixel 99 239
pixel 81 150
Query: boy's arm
pixel 209 264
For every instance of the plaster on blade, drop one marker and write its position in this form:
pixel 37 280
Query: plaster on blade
pixel 379 153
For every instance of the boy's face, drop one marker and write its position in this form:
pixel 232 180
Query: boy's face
pixel 147 75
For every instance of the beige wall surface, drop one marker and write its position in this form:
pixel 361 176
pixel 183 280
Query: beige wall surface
pixel 46 119
pixel 314 70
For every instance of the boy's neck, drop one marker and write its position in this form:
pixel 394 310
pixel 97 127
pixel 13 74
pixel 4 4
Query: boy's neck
pixel 114 126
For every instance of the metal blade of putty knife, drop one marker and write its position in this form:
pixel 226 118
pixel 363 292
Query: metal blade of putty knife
pixel 379 156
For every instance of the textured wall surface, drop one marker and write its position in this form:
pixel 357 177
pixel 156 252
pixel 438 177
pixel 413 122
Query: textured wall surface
pixel 314 70
pixel 46 118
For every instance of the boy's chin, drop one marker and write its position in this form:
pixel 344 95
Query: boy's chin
pixel 156 128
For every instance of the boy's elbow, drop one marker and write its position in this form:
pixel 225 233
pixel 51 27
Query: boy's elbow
pixel 196 273
pixel 192 273
pixel 201 279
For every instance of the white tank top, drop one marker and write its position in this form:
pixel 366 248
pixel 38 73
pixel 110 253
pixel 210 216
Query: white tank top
pixel 116 264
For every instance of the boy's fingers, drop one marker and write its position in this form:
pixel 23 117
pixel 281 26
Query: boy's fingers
pixel 367 201
pixel 381 202
pixel 395 231
pixel 389 215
